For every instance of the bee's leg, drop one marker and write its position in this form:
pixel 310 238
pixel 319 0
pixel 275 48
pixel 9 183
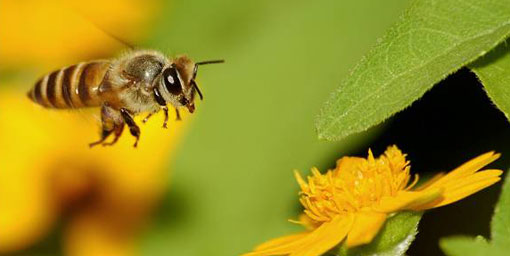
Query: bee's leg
pixel 118 128
pixel 104 135
pixel 165 110
pixel 133 128
pixel 147 117
pixel 109 122
pixel 178 118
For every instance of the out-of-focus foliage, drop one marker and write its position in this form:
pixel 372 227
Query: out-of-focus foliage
pixel 499 243
pixel 433 39
pixel 493 70
pixel 232 184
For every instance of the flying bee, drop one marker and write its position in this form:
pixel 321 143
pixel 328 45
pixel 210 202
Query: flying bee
pixel 140 81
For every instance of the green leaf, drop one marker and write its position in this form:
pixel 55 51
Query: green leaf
pixel 467 246
pixel 433 39
pixel 500 225
pixel 500 233
pixel 493 70
pixel 393 240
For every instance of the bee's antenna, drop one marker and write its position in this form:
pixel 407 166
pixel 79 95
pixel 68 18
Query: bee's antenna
pixel 198 90
pixel 195 74
pixel 210 62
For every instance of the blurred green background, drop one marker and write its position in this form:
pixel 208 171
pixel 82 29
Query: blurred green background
pixel 230 178
pixel 232 184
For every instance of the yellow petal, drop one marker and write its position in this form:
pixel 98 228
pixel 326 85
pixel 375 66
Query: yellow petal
pixel 280 241
pixel 474 178
pixel 331 235
pixel 467 168
pixel 313 243
pixel 366 226
pixel 463 188
pixel 430 181
pixel 280 246
pixel 407 200
pixel 467 191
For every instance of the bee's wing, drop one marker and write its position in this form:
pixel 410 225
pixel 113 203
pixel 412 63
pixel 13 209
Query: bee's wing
pixel 123 41
pixel 79 11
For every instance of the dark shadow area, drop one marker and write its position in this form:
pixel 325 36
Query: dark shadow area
pixel 452 123
pixel 493 56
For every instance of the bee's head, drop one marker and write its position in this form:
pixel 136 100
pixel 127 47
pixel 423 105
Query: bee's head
pixel 177 83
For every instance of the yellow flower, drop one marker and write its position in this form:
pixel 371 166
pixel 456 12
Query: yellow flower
pixel 352 202
pixel 48 173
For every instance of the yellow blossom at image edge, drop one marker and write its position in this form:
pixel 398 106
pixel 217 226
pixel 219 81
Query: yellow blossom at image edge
pixel 351 202
pixel 49 173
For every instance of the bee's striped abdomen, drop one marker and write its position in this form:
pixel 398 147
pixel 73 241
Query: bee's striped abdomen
pixel 71 87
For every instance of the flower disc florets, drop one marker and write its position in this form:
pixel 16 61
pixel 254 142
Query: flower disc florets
pixel 356 183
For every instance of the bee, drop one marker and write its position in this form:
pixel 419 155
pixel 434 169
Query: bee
pixel 140 81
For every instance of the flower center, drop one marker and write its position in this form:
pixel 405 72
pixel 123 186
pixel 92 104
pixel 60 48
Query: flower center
pixel 354 184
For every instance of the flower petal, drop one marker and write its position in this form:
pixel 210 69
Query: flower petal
pixel 313 243
pixel 430 181
pixel 280 241
pixel 283 245
pixel 474 178
pixel 457 190
pixel 331 235
pixel 466 169
pixel 279 246
pixel 405 200
pixel 366 226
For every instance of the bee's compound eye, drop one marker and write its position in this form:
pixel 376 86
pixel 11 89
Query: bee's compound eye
pixel 172 81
